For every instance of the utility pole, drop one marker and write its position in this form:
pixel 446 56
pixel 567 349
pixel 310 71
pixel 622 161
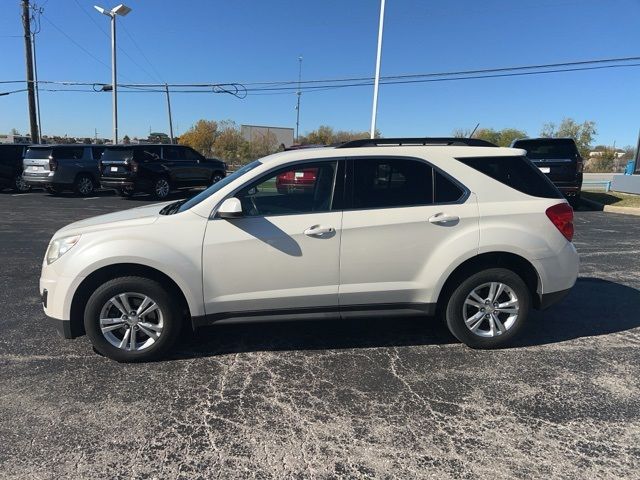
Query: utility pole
pixel 166 89
pixel 298 93
pixel 376 82
pixel 35 76
pixel 26 24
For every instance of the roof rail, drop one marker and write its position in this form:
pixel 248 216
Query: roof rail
pixel 449 141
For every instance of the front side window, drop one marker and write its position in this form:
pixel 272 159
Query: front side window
pixel 303 188
pixel 190 154
pixel 391 182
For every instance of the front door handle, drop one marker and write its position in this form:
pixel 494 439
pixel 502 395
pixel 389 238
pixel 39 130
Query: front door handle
pixel 444 219
pixel 318 230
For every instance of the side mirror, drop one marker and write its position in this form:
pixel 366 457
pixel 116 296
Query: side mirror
pixel 230 208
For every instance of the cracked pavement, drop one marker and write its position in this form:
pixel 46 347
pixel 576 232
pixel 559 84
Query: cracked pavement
pixel 359 399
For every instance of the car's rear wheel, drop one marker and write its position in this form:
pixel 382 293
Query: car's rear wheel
pixel 161 188
pixel 19 185
pixel 488 309
pixel 83 185
pixel 132 319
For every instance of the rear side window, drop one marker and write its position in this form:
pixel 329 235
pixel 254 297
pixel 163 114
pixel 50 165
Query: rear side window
pixel 444 190
pixel 147 153
pixel 391 182
pixel 74 153
pixel 173 153
pixel 97 152
pixel 190 154
pixel 515 172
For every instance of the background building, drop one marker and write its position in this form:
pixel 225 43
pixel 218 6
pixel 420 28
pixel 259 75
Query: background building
pixel 283 135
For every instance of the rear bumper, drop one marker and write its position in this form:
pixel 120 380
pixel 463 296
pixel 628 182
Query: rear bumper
pixel 117 183
pixel 558 274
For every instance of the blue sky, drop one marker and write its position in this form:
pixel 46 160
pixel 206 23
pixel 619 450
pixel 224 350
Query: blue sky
pixel 245 41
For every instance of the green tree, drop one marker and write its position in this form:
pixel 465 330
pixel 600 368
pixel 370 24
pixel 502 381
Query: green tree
pixel 126 140
pixel 201 136
pixel 603 162
pixel 502 138
pixel 326 135
pixel 583 133
pixel 229 144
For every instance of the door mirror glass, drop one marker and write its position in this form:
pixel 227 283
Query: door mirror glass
pixel 230 208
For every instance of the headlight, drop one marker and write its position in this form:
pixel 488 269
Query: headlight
pixel 59 247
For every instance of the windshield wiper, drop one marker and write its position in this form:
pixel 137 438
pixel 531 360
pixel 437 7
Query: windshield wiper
pixel 172 208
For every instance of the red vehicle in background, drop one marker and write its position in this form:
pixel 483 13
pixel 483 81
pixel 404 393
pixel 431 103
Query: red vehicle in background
pixel 296 180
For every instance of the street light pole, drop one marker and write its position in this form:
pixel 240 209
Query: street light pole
pixel 121 10
pixel 114 78
pixel 166 88
pixel 299 93
pixel 376 82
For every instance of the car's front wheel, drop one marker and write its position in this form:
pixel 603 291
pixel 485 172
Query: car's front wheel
pixel 488 309
pixel 132 319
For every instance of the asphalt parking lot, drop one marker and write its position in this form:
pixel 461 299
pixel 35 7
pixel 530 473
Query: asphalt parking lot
pixel 365 399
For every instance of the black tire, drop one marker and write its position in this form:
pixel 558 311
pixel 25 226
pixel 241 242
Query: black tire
pixel 126 192
pixel 216 177
pixel 53 190
pixel 456 309
pixel 84 185
pixel 19 185
pixel 171 315
pixel 161 188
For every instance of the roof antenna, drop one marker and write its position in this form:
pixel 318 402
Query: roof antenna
pixel 474 130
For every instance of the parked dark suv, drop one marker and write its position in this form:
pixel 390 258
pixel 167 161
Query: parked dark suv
pixel 11 155
pixel 157 169
pixel 63 167
pixel 558 159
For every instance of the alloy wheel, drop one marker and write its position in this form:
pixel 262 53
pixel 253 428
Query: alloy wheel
pixel 490 309
pixel 161 188
pixel 131 321
pixel 85 186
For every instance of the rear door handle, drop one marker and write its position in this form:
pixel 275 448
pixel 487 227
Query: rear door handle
pixel 318 230
pixel 444 219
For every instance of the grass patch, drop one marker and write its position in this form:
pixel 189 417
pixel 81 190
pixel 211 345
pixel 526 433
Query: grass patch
pixel 613 198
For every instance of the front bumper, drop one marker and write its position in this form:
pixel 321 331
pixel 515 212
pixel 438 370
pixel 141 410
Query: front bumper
pixel 62 327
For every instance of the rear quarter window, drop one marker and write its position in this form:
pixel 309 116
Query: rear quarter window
pixel 515 172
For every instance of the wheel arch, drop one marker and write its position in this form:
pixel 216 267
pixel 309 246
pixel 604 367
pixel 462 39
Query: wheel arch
pixel 106 273
pixel 511 261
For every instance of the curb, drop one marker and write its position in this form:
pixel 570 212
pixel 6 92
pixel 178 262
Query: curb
pixel 610 208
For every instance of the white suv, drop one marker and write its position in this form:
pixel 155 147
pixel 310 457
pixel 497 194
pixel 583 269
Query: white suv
pixel 395 227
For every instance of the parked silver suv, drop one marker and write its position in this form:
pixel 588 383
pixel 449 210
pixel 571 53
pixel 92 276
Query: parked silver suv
pixel 63 167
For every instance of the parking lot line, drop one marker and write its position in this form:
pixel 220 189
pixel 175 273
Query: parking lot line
pixel 21 194
pixel 90 198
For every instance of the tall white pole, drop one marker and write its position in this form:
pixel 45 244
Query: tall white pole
pixel 114 77
pixel 376 82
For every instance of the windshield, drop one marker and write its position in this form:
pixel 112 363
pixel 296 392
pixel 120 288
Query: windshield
pixel 548 149
pixel 38 153
pixel 217 186
pixel 117 154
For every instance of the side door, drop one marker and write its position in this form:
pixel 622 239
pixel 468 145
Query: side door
pixel 180 169
pixel 200 172
pixel 402 219
pixel 281 258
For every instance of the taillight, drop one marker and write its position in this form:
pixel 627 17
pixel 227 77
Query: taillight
pixel 561 215
pixel 53 164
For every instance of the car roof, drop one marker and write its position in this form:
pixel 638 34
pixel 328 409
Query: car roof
pixel 64 145
pixel 387 150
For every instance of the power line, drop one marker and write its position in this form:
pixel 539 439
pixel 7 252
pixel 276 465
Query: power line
pixel 158 76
